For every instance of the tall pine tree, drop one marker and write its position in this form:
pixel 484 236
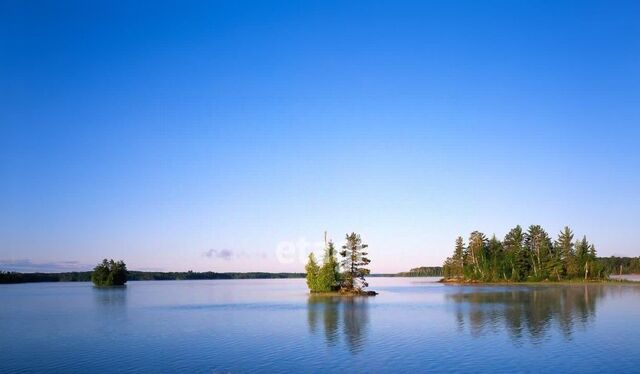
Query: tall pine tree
pixel 354 262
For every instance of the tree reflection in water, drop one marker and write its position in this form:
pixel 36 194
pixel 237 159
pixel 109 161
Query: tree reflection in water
pixel 110 297
pixel 111 302
pixel 349 313
pixel 531 310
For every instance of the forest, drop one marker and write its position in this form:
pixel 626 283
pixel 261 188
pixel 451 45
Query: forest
pixel 422 271
pixel 85 276
pixel 529 255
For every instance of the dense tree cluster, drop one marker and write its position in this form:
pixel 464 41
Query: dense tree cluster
pixel 620 265
pixel 85 276
pixel 16 277
pixel 423 271
pixel 109 273
pixel 524 256
pixel 197 275
pixel 328 277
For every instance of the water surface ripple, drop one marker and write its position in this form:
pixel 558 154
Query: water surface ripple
pixel 239 326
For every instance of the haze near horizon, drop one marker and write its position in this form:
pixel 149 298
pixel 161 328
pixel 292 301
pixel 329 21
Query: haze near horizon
pixel 208 135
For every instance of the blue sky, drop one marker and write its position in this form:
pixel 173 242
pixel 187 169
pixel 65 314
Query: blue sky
pixel 207 135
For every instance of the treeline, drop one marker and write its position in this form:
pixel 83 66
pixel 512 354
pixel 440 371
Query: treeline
pixel 423 271
pixel 85 276
pixel 191 275
pixel 14 277
pixel 524 256
pixel 620 265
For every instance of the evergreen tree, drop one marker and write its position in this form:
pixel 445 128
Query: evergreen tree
pixel 458 258
pixel 312 270
pixel 564 246
pixel 494 265
pixel 593 265
pixel 329 275
pixel 516 263
pixel 583 256
pixel 354 262
pixel 538 244
pixel 454 266
pixel 531 255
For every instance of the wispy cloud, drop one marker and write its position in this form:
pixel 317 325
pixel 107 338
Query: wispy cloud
pixel 27 265
pixel 224 254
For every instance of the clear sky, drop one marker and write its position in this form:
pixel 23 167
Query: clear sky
pixel 206 135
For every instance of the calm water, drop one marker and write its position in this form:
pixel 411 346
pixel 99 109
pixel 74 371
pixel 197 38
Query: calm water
pixel 274 326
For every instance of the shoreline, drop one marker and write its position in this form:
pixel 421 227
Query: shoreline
pixel 529 283
pixel 343 294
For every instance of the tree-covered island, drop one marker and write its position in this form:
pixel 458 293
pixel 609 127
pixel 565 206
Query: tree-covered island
pixel 346 277
pixel 109 273
pixel 524 256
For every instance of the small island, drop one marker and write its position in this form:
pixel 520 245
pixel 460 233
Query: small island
pixel 327 279
pixel 521 256
pixel 109 273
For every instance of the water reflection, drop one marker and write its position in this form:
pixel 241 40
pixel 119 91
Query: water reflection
pixel 111 302
pixel 528 311
pixel 351 314
pixel 110 296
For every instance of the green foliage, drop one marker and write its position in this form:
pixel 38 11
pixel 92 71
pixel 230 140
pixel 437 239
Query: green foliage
pixel 525 256
pixel 312 270
pixel 354 262
pixel 109 273
pixel 454 266
pixel 566 249
pixel 423 271
pixel 476 256
pixel 538 244
pixel 329 276
pixel 325 278
pixel 620 265
pixel 85 276
pixel 515 261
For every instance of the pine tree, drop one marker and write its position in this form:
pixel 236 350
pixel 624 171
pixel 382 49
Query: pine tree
pixel 458 258
pixel 513 243
pixel 494 268
pixel 354 260
pixel 531 255
pixel 564 246
pixel 582 256
pixel 538 244
pixel 594 268
pixel 454 266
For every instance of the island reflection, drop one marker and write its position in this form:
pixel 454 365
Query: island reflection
pixel 529 311
pixel 332 313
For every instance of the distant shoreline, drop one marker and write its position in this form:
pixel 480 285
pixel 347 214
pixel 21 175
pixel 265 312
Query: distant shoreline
pixel 562 282
pixel 85 276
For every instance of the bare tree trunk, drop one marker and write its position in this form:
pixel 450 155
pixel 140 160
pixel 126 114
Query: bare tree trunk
pixel 586 270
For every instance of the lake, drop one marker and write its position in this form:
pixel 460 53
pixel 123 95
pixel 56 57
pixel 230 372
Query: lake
pixel 274 326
